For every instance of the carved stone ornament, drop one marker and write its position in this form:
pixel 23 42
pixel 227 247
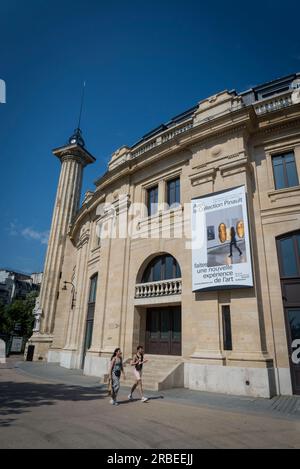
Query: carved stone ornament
pixel 212 99
pixel 216 151
pixel 296 96
pixel 37 313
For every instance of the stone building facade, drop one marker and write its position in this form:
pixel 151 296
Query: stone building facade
pixel 16 285
pixel 118 268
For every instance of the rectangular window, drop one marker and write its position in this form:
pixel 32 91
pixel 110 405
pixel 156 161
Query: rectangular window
pixel 227 337
pixel 98 234
pixel 152 200
pixel 173 192
pixel 89 324
pixel 88 334
pixel 93 288
pixel 285 170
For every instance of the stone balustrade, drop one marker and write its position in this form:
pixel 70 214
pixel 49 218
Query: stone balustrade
pixel 161 288
pixel 146 147
pixel 273 103
pixel 261 107
pixel 162 137
pixel 174 132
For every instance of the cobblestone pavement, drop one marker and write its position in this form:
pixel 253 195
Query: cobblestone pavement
pixel 46 406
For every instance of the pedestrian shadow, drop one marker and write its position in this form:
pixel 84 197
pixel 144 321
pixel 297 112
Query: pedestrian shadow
pixel 6 422
pixel 152 398
pixel 19 398
pixel 135 399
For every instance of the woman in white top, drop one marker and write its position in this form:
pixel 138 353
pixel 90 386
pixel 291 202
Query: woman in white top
pixel 116 367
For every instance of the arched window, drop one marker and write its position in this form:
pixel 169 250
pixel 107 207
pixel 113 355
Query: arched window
pixel 161 268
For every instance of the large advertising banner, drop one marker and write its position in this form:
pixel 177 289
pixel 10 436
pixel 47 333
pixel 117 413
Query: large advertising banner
pixel 221 256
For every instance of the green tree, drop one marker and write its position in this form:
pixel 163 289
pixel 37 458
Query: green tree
pixel 18 312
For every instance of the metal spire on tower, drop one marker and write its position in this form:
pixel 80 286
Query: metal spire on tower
pixel 77 136
pixel 81 105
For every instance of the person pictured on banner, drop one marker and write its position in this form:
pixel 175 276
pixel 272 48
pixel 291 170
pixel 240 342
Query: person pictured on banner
pixel 138 362
pixel 116 367
pixel 233 241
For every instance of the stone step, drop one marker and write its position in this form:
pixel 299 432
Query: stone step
pixel 155 366
pixel 156 371
pixel 157 363
pixel 151 385
pixel 167 358
pixel 155 355
pixel 150 381
pixel 153 370
pixel 154 376
pixel 162 362
pixel 160 369
pixel 163 358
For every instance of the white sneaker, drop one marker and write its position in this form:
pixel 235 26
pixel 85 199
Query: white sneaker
pixel 112 401
pixel 144 399
pixel 130 397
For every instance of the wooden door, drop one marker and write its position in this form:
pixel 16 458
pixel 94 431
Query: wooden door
pixel 289 263
pixel 163 331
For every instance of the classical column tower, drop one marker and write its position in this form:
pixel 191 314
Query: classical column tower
pixel 73 157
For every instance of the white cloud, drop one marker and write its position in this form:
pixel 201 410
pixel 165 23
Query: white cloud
pixel 13 230
pixel 2 92
pixel 41 236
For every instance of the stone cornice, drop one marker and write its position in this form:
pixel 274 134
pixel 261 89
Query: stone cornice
pixel 234 167
pixel 286 123
pixel 201 177
pixel 241 119
pixel 278 194
pixel 218 127
pixel 279 213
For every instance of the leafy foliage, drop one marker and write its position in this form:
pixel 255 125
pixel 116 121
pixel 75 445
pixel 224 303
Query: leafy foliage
pixel 18 312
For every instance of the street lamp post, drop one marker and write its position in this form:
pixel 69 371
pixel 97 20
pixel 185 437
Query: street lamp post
pixel 73 291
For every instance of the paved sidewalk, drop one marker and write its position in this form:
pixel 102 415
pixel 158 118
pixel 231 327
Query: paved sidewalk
pixel 45 406
pixel 54 372
pixel 280 406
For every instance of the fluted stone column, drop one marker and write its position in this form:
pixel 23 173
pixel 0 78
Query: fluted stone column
pixel 76 323
pixel 73 158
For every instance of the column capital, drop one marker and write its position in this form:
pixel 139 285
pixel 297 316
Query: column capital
pixel 74 152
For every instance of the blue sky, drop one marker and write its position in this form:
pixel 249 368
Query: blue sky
pixel 143 62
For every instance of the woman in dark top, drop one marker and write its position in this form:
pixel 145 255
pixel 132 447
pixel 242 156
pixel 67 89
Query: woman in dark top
pixel 137 362
pixel 233 242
